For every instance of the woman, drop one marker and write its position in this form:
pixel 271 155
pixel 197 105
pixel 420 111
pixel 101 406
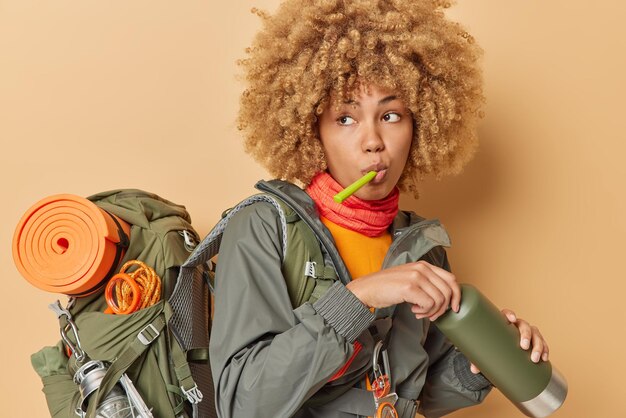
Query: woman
pixel 337 89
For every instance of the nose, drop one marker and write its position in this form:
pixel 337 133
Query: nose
pixel 372 140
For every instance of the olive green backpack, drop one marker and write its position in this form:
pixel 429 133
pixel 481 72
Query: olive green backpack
pixel 170 376
pixel 163 349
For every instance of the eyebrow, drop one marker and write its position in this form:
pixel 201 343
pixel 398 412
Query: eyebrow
pixel 380 102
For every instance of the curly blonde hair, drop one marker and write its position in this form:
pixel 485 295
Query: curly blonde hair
pixel 309 51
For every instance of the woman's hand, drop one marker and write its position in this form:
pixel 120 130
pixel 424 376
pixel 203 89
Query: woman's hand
pixel 529 334
pixel 428 288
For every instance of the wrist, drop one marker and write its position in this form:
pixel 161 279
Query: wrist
pixel 355 287
pixel 343 311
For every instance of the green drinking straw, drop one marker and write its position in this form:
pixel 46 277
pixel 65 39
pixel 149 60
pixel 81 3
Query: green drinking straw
pixel 351 189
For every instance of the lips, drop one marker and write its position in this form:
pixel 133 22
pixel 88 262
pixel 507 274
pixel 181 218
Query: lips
pixel 375 167
pixel 381 172
pixel 380 176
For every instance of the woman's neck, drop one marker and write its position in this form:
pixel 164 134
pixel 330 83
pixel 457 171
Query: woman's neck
pixel 368 217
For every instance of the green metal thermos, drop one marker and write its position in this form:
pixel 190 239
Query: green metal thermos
pixel 482 333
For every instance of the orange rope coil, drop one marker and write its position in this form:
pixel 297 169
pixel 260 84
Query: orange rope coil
pixel 135 290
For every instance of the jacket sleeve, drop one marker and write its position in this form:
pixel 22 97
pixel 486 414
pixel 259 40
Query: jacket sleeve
pixel 449 385
pixel 267 358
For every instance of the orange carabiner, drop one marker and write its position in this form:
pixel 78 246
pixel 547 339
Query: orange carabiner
pixel 114 307
pixel 386 410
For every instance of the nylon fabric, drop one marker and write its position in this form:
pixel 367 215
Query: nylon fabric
pixel 161 236
pixel 121 364
pixel 301 203
pixel 298 284
pixel 265 345
pixel 50 363
pixel 279 363
pixel 303 247
pixel 190 276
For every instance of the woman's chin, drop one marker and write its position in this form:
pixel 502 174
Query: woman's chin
pixel 373 192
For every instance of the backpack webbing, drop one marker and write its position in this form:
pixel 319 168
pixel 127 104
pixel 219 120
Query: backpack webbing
pixel 182 318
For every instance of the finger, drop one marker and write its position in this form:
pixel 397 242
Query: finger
pixel 424 293
pixel 455 300
pixel 445 274
pixel 525 333
pixel 439 284
pixel 419 311
pixel 509 315
pixel 546 351
pixel 539 345
pixel 474 369
pixel 421 305
pixel 420 314
pixel 445 290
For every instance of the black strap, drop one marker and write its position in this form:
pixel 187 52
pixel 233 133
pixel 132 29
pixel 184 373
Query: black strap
pixel 198 355
pixel 381 330
pixel 119 250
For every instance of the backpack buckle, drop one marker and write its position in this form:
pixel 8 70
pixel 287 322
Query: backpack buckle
pixel 309 269
pixel 148 337
pixel 190 241
pixel 193 395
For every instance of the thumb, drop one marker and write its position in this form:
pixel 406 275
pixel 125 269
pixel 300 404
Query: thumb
pixel 474 369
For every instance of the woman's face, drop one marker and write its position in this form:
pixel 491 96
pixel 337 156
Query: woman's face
pixel 371 132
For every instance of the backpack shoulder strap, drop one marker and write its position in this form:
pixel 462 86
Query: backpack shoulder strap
pixel 306 274
pixel 193 269
pixel 209 247
pixel 301 203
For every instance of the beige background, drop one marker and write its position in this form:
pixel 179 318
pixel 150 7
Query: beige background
pixel 96 95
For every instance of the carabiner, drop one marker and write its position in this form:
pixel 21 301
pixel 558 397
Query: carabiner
pixel 76 349
pixel 375 365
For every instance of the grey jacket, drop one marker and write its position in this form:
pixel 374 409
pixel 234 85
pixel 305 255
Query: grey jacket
pixel 269 359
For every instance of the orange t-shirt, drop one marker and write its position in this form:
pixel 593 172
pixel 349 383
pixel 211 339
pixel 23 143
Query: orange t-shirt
pixel 362 254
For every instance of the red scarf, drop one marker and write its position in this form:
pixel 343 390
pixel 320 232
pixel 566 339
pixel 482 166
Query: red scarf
pixel 368 217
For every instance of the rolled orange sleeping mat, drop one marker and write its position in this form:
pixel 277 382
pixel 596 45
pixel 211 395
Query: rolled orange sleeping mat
pixel 66 244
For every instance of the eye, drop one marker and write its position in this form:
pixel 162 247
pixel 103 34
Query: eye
pixel 391 117
pixel 345 120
